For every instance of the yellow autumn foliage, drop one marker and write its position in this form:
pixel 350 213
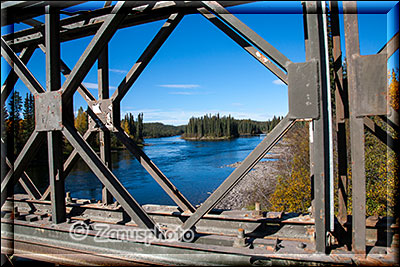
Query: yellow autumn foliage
pixel 293 188
pixel 394 91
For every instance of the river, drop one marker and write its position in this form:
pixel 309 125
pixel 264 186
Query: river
pixel 196 168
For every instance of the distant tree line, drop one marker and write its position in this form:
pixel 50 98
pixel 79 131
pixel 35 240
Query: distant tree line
pixel 134 128
pixel 19 122
pixel 157 130
pixel 214 126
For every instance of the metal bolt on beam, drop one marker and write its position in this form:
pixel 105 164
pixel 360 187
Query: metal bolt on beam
pixel 257 210
pixel 68 197
pixel 16 212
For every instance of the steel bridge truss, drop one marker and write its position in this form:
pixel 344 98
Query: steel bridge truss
pixel 309 99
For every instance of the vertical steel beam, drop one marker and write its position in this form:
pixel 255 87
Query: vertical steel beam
pixel 91 53
pixel 69 163
pixel 104 136
pixel 341 104
pixel 65 70
pixel 320 149
pixel 311 131
pixel 54 138
pixel 356 130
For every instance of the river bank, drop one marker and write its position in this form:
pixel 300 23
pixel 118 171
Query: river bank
pixel 259 183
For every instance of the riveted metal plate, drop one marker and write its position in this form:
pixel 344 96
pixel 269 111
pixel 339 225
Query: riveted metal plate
pixel 303 90
pixel 103 110
pixel 371 92
pixel 48 111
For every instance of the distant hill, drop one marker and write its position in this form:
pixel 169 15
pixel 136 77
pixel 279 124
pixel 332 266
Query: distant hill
pixel 157 129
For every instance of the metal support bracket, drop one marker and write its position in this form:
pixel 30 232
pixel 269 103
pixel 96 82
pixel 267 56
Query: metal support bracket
pixel 371 92
pixel 48 111
pixel 303 90
pixel 103 109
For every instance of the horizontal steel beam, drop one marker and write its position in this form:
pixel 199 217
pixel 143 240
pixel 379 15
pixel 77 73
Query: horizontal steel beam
pixel 88 23
pixel 18 11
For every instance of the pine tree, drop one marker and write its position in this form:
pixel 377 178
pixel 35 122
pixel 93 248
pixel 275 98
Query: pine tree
pixel 14 123
pixel 28 124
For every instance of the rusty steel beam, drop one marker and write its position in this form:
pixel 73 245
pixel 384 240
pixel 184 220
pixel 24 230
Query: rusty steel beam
pixel 244 44
pixel 341 104
pixel 104 136
pixel 54 138
pixel 315 48
pixel 146 56
pixel 12 77
pixel 356 130
pixel 91 53
pixel 26 183
pixel 25 156
pixel 108 179
pixel 273 53
pixel 250 161
pixel 88 23
pixel 391 46
pixel 20 68
pixel 66 71
pixel 19 11
pixel 69 163
pixel 154 171
pixel 382 135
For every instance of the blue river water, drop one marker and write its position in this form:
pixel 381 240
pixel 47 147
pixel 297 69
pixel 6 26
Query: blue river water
pixel 196 168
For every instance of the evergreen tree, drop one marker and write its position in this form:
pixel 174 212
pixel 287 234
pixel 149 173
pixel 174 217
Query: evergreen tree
pixel 28 124
pixel 14 123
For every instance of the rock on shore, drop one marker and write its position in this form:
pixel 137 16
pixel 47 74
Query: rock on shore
pixel 259 183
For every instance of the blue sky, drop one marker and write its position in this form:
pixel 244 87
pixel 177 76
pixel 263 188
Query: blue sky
pixel 199 70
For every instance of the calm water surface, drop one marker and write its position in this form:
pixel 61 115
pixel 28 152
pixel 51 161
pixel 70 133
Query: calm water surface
pixel 196 168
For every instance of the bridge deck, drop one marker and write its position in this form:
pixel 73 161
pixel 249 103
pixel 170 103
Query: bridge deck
pixel 270 237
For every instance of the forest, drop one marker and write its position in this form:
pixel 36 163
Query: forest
pixel 19 118
pixel 215 127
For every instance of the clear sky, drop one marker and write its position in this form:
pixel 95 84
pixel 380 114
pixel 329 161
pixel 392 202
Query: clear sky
pixel 199 70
